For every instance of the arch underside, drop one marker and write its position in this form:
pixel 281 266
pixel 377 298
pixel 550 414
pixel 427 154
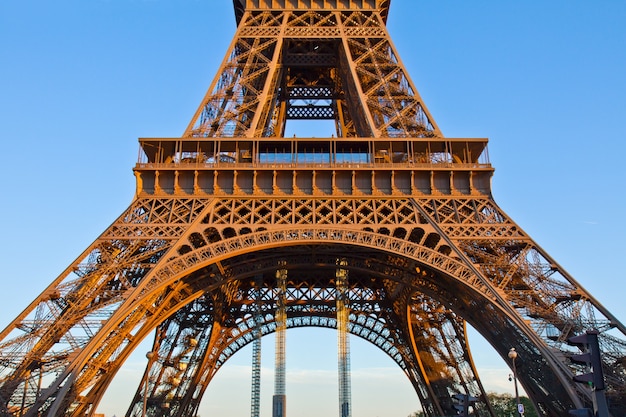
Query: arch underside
pixel 411 290
pixel 386 308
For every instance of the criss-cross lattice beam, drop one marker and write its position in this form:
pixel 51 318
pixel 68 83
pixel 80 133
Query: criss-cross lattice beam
pixel 373 93
pixel 426 247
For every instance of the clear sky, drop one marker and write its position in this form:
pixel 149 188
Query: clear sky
pixel 81 80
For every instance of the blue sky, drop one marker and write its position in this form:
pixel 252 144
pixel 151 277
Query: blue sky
pixel 81 80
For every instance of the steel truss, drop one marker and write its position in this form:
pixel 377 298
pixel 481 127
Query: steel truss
pixel 407 213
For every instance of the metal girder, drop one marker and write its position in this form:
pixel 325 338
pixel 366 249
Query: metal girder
pixel 241 6
pixel 223 226
pixel 310 300
pixel 408 213
pixel 348 51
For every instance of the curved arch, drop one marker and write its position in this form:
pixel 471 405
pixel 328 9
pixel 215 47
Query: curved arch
pixel 368 324
pixel 154 294
pixel 174 268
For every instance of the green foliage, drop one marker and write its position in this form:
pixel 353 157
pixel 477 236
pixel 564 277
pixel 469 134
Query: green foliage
pixel 503 404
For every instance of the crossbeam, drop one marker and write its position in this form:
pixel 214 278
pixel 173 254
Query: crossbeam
pixel 246 5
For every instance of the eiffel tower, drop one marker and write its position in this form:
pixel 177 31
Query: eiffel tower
pixel 233 222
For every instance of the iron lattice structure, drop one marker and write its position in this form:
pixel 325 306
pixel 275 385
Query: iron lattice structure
pixel 405 214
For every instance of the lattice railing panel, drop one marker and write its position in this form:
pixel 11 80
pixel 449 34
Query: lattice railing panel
pixel 366 212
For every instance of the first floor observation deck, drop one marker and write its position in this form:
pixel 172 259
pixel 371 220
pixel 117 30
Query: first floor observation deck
pixel 313 166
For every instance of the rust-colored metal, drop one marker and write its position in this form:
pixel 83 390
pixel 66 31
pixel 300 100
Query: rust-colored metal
pixel 407 214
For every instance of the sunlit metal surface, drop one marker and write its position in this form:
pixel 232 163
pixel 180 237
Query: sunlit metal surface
pixel 221 212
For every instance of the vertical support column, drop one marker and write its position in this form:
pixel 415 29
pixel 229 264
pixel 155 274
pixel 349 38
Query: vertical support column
pixel 343 341
pixel 255 403
pixel 260 122
pixel 365 125
pixel 279 401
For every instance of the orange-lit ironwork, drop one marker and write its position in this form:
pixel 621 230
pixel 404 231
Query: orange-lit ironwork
pixel 234 226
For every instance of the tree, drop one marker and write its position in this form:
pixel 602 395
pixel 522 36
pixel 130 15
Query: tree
pixel 504 405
